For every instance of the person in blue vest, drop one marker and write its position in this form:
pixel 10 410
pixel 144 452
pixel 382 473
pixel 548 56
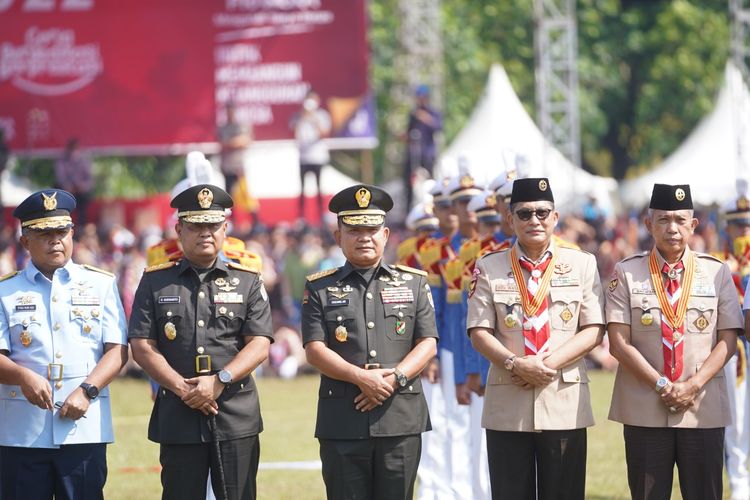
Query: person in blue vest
pixel 62 339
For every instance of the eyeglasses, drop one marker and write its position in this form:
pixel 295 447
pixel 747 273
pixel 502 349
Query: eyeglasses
pixel 525 214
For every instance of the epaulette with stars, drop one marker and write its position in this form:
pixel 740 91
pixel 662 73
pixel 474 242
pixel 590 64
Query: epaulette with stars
pixel 240 267
pixel 408 269
pixel 321 274
pixel 98 270
pixel 9 275
pixel 159 267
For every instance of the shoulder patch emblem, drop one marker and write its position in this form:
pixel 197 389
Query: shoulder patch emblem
pixel 9 275
pixel 240 267
pixel 408 269
pixel 321 274
pixel 159 267
pixel 98 270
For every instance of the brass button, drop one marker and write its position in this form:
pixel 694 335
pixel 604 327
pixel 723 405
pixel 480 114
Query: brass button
pixel 201 322
pixel 56 327
pixel 12 394
pixel 369 296
pixel 58 355
pixel 163 392
pixel 202 294
pixel 169 313
pixel 222 310
pixel 231 314
pixel 400 314
pixel 373 353
pixel 58 385
pixel 370 325
pixel 201 350
pixel 330 392
pixel 339 318
pixel 242 386
pixel 578 378
pixel 411 388
pixel 25 322
pixel 54 298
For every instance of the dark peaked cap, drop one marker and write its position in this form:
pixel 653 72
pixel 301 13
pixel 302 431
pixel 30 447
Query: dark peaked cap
pixel 46 209
pixel 531 189
pixel 202 204
pixel 667 197
pixel 361 205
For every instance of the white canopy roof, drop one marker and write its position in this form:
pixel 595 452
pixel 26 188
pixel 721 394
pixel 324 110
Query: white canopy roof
pixel 500 122
pixel 708 160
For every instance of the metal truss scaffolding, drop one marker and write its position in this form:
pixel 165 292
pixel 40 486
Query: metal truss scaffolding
pixel 418 60
pixel 556 47
pixel 739 11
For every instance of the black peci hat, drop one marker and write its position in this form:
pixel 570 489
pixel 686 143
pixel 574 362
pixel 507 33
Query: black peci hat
pixel 531 189
pixel 46 209
pixel 361 205
pixel 667 197
pixel 202 204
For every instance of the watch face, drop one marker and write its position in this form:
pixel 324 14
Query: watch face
pixel 225 377
pixel 92 392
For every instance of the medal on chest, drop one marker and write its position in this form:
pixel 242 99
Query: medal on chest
pixel 170 331
pixel 25 337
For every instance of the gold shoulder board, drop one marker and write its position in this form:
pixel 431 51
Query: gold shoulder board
pixel 240 267
pixel 98 270
pixel 9 275
pixel 159 267
pixel 408 269
pixel 321 274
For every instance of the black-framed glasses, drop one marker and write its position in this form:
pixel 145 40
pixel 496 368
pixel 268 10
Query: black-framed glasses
pixel 525 213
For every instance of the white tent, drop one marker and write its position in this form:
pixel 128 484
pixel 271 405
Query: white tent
pixel 500 122
pixel 708 158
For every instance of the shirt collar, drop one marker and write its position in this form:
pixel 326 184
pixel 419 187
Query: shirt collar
pixel 348 268
pixel 551 249
pixel 660 260
pixel 64 273
pixel 219 264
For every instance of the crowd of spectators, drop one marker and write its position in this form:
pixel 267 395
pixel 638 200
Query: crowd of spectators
pixel 290 252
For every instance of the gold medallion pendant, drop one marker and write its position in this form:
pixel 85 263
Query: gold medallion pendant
pixel 25 338
pixel 170 331
pixel 510 321
pixel 341 333
pixel 647 319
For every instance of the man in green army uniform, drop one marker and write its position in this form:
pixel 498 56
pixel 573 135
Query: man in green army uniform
pixel 370 329
pixel 199 327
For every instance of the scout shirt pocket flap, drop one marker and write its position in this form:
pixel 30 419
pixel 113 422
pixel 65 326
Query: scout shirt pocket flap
pixel 413 386
pixel 574 374
pixel 508 310
pixel 229 312
pixel 170 321
pixel 645 313
pixel 701 314
pixel 89 320
pixel 564 306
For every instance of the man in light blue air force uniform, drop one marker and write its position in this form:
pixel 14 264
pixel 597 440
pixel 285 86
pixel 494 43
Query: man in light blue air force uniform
pixel 62 339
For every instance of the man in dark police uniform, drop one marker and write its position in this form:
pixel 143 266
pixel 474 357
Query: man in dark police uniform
pixel 199 327
pixel 370 329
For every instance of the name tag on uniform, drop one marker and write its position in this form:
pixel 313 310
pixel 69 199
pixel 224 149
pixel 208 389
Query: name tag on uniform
pixel 338 302
pixel 643 290
pixel 506 286
pixel 84 300
pixel 397 294
pixel 169 299
pixel 703 290
pixel 26 307
pixel 564 281
pixel 228 298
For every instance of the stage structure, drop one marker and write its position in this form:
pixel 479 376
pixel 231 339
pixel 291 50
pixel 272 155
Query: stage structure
pixel 739 11
pixel 556 50
pixel 419 60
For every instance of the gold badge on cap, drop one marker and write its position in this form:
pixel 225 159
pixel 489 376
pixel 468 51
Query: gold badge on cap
pixel 466 181
pixel 341 333
pixel 25 338
pixel 542 185
pixel 363 198
pixel 205 198
pixel 50 202
pixel 679 194
pixel 647 319
pixel 170 331
pixel 491 201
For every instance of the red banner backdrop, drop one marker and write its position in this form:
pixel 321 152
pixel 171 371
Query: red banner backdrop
pixel 155 75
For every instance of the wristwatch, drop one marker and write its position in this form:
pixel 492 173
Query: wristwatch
pixel 225 377
pixel 400 377
pixel 661 383
pixel 91 391
pixel 510 363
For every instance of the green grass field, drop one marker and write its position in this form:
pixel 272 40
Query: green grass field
pixel 289 419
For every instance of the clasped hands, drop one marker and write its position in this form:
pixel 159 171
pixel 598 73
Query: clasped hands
pixel 530 371
pixel 376 385
pixel 679 396
pixel 201 393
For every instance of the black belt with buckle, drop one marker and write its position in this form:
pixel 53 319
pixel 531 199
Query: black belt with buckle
pixel 372 366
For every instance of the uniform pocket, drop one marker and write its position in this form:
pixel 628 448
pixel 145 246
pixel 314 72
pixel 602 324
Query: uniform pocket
pixel 701 315
pixel 645 314
pixel 575 374
pixel 564 306
pixel 399 321
pixel 509 311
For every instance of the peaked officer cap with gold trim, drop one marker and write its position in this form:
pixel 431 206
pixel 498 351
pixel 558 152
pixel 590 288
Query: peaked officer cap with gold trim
pixel 46 209
pixel 202 204
pixel 361 205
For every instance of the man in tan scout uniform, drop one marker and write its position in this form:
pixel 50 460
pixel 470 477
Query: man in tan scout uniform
pixel 673 320
pixel 534 311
